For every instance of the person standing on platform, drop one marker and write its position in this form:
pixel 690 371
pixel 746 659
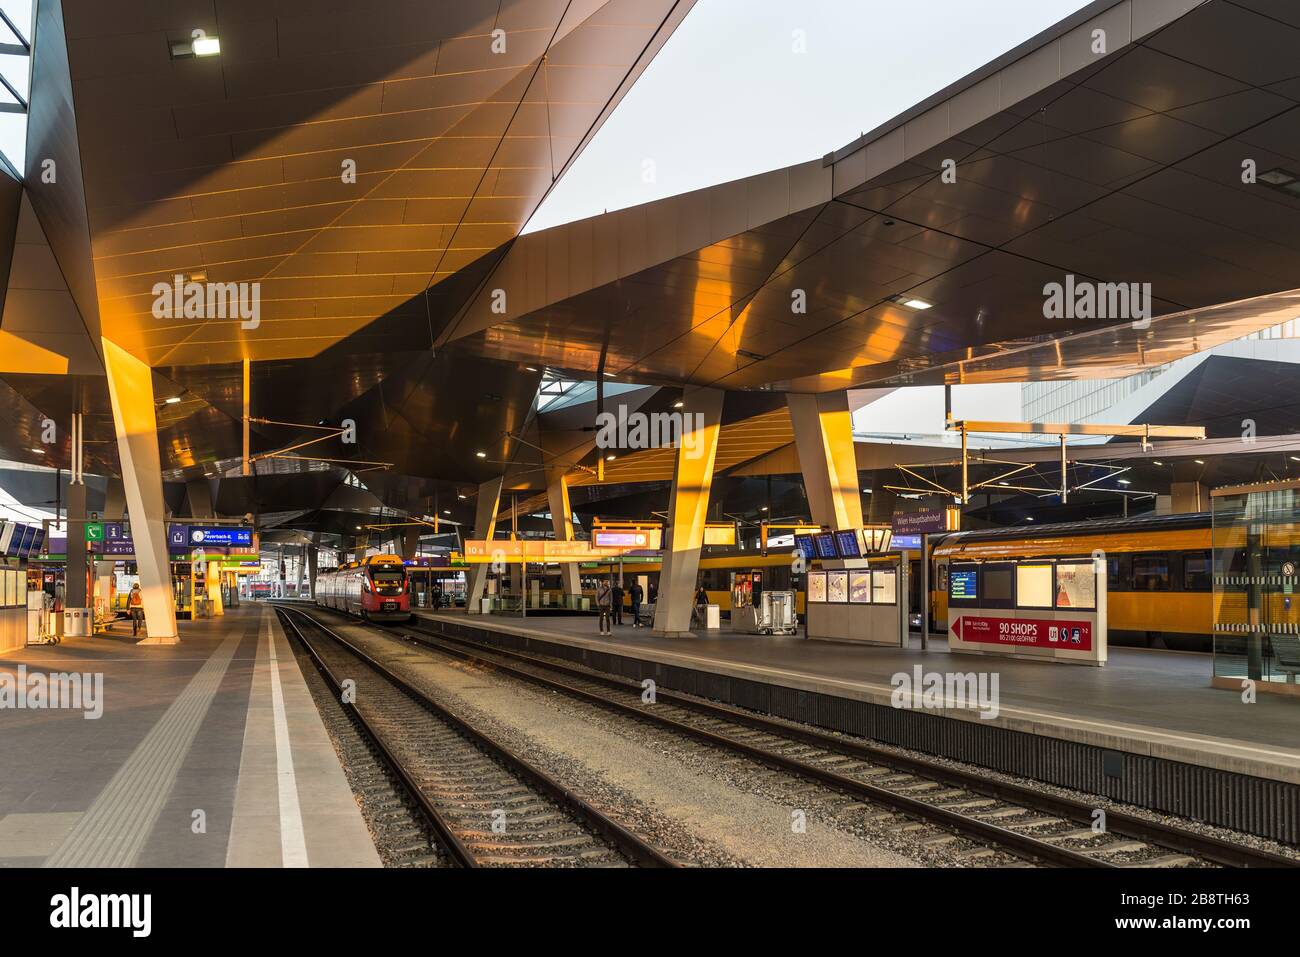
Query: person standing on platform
pixel 636 594
pixel 135 603
pixel 603 601
pixel 701 607
pixel 616 597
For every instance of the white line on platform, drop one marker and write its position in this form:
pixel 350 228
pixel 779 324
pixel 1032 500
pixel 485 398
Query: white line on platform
pixel 293 842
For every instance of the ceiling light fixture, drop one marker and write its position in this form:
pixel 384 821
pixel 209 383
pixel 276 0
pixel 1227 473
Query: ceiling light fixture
pixel 481 455
pixel 678 405
pixel 912 302
pixel 1125 482
pixel 1199 461
pixel 610 458
pixel 39 451
pixel 461 497
pixel 173 400
pixel 199 45
pixel 1157 462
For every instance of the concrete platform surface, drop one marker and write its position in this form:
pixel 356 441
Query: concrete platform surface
pixel 208 753
pixel 1153 703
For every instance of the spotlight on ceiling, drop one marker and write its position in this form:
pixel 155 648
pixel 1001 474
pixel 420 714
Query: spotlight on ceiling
pixel 481 455
pixel 912 302
pixel 172 400
pixel 199 45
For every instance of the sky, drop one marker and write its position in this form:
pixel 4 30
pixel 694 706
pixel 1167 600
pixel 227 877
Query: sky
pixel 747 86
pixel 730 94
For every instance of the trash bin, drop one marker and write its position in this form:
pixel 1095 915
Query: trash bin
pixel 78 622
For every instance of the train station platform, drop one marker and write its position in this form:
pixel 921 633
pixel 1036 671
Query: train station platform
pixel 207 753
pixel 1147 729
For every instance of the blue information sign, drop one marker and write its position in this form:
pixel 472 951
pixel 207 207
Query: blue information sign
pixel 221 537
pixel 962 583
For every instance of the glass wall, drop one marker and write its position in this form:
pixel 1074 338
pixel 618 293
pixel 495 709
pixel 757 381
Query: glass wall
pixel 1255 565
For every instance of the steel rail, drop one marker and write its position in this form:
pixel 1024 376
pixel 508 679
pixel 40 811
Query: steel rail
pixel 639 850
pixel 1170 837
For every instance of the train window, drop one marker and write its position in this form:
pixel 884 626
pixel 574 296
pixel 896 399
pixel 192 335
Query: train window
pixel 1150 573
pixel 1118 573
pixel 1197 571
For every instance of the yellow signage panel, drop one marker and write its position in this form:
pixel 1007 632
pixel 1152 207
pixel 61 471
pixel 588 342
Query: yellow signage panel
pixel 542 550
pixel 722 534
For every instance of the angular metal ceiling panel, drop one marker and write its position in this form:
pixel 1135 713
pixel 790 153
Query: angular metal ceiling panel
pixel 456 117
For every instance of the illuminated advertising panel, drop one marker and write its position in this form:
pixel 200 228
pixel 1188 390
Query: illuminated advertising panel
pixel 817 586
pixel 1034 586
pixel 860 588
pixel 1076 586
pixel 837 587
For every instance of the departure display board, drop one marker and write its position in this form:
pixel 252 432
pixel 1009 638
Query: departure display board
pixel 825 542
pixel 804 543
pixel 962 584
pixel 848 543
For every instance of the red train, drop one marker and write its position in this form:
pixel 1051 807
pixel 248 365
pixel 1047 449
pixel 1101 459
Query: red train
pixel 377 589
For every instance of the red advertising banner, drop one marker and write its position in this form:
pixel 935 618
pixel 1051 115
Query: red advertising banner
pixel 1022 632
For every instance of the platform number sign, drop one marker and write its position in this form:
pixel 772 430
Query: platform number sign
pixel 94 531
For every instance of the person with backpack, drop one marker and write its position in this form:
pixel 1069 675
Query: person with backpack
pixel 135 604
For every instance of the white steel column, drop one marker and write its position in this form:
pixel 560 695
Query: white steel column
pixel 688 509
pixel 485 526
pixel 823 434
pixel 130 390
pixel 557 495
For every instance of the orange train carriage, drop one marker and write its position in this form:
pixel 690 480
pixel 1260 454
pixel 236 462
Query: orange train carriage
pixel 1159 571
pixel 377 589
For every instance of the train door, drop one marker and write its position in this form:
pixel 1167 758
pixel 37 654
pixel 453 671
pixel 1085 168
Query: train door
pixel 915 600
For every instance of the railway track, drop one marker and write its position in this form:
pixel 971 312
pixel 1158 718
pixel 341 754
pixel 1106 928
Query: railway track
pixel 484 804
pixel 1029 823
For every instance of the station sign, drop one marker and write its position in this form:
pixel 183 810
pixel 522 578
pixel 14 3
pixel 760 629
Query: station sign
pixel 94 531
pixel 221 536
pixel 920 522
pixel 626 538
pixel 1024 632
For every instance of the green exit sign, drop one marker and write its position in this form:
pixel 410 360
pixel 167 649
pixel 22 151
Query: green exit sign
pixel 94 531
